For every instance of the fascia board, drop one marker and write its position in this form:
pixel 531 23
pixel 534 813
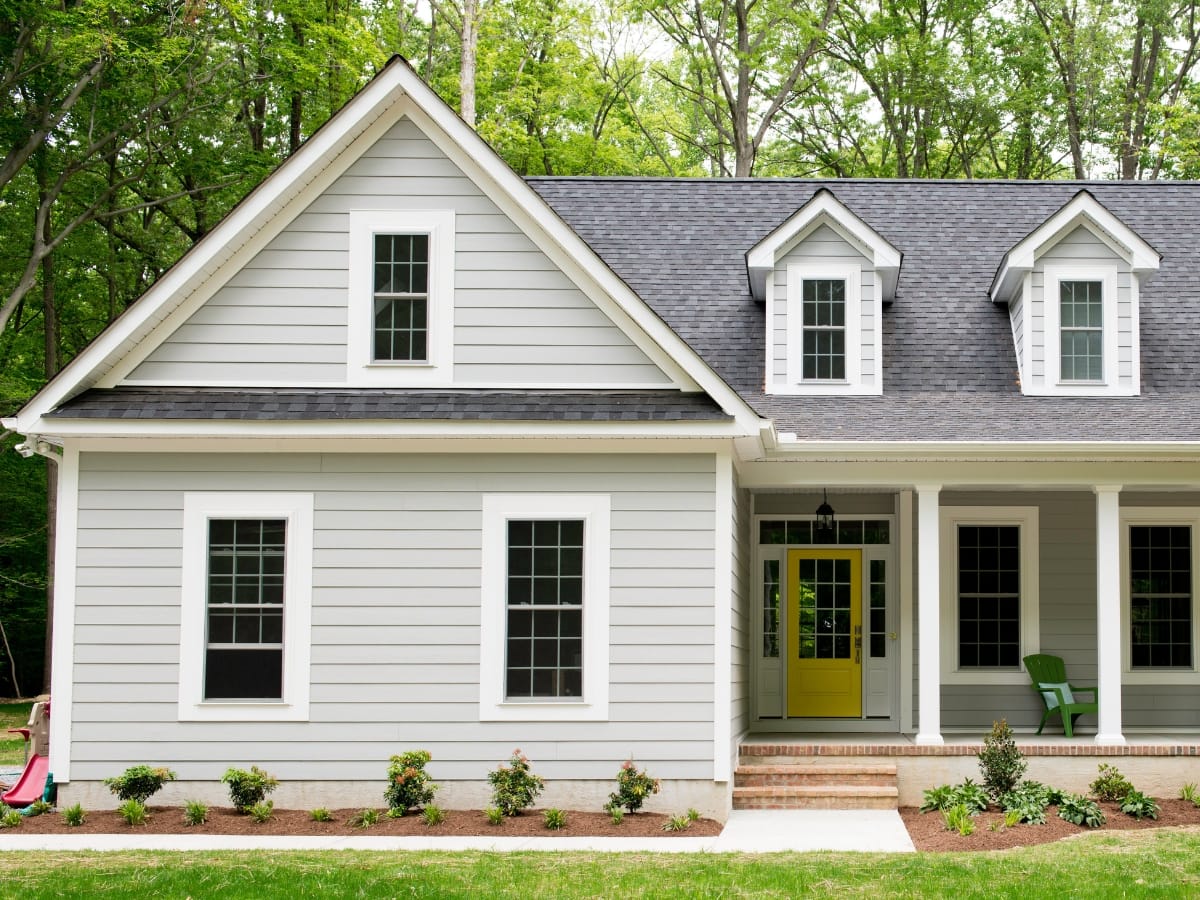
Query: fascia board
pixel 851 450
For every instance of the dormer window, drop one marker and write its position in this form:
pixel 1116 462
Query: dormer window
pixel 824 324
pixel 1084 312
pixel 822 304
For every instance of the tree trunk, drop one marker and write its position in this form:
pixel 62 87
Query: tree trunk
pixel 468 53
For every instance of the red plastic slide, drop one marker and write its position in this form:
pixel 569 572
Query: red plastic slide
pixel 31 785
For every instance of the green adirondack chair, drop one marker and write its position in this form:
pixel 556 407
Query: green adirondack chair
pixel 1049 677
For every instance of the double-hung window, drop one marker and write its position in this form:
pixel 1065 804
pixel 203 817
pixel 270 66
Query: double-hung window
pixel 824 319
pixel 401 297
pixel 544 648
pixel 825 339
pixel 1159 548
pixel 1081 330
pixel 1081 341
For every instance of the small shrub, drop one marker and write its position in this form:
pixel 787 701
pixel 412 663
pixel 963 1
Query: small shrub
pixel 1080 810
pixel 139 783
pixel 1029 800
pixel 968 794
pixel 938 798
pixel 433 815
pixel 633 787
pixel 10 818
pixel 320 814
pixel 39 808
pixel 616 813
pixel 514 787
pixel 1139 806
pixel 958 818
pixel 395 812
pixel 1012 818
pixel 554 819
pixel 365 818
pixel 494 815
pixel 693 814
pixel 262 811
pixel 74 815
pixel 248 789
pixel 1000 762
pixel 1111 785
pixel 133 812
pixel 1189 793
pixel 195 812
pixel 677 823
pixel 409 786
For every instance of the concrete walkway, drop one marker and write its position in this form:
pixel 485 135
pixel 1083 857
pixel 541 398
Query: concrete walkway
pixel 747 831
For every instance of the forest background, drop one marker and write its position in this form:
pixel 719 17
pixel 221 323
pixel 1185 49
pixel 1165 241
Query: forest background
pixel 128 129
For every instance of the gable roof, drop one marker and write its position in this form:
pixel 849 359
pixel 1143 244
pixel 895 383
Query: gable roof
pixel 950 369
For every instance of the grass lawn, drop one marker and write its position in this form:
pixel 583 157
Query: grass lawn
pixel 12 748
pixel 1144 863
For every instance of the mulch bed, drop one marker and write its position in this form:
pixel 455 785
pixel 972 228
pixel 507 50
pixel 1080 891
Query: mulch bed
pixel 928 832
pixel 169 820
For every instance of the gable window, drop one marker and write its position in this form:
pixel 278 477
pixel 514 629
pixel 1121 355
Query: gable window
pixel 1081 327
pixel 544 649
pixel 1081 317
pixel 401 297
pixel 1160 596
pixel 989 603
pixel 245 607
pixel 825 328
pixel 824 317
pixel 400 303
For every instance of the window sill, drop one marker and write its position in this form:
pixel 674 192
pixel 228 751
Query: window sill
pixel 247 711
pixel 571 711
pixel 399 364
pixel 1161 676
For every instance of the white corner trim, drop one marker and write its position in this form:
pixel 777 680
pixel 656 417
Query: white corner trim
pixel 1026 518
pixel 1051 383
pixel 497 510
pixel 724 538
pixel 198 508
pixel 851 274
pixel 361 370
pixel 62 674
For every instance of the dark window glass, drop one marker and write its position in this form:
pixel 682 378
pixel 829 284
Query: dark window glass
pixel 824 320
pixel 401 331
pixel 989 596
pixel 1160 596
pixel 771 599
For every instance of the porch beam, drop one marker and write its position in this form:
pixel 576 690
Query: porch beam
pixel 929 691
pixel 1108 613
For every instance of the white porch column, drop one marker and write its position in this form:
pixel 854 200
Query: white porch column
pixel 929 600
pixel 1108 612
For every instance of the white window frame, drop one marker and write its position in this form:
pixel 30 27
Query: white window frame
pixel 1159 515
pixel 198 509
pixel 1024 517
pixel 361 367
pixel 1053 276
pixel 595 511
pixel 851 274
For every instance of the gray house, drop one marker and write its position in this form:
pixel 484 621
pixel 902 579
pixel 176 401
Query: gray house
pixel 410 452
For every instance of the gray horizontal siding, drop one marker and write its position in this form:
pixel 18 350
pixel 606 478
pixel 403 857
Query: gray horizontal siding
pixel 395 659
pixel 517 318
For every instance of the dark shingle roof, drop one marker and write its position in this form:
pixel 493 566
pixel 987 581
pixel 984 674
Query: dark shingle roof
pixel 950 369
pixel 381 404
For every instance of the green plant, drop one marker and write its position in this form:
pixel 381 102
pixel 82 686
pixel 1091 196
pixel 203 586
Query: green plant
pixel 1189 793
pixel 554 819
pixel 1029 800
pixel 494 815
pixel 616 813
pixel 1013 818
pixel 514 787
pixel 1080 810
pixel 945 796
pixel 1139 806
pixel 433 815
pixel 1111 785
pixel 633 787
pixel 74 815
pixel 396 812
pixel 320 814
pixel 365 818
pixel 958 818
pixel 39 808
pixel 248 789
pixel 139 783
pixel 195 812
pixel 938 798
pixel 693 814
pixel 10 818
pixel 1000 761
pixel 262 811
pixel 133 812
pixel 409 786
pixel 677 823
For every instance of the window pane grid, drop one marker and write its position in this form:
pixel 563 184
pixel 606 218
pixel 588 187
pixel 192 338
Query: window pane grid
pixel 989 596
pixel 824 609
pixel 771 609
pixel 824 320
pixel 1082 329
pixel 877 626
pixel 401 331
pixel 805 532
pixel 1160 602
pixel 544 616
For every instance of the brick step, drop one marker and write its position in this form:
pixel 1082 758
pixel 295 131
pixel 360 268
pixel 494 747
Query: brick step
pixel 883 775
pixel 816 797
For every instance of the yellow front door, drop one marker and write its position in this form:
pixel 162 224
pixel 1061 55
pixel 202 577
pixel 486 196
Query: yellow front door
pixel 824 633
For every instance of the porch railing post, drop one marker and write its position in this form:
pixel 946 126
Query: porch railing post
pixel 1108 613
pixel 929 599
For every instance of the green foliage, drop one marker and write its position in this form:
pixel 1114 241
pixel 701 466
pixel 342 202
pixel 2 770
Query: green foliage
pixel 396 812
pixel 1189 793
pixel 39 808
pixel 409 786
pixel 195 812
pixel 133 812
pixel 247 789
pixel 514 787
pixel 74 815
pixel 1111 786
pixel 365 818
pixel 320 814
pixel 693 814
pixel 616 813
pixel 945 796
pixel 958 818
pixel 139 782
pixel 554 819
pixel 433 814
pixel 1080 810
pixel 633 787
pixel 10 818
pixel 1014 817
pixel 677 823
pixel 262 811
pixel 494 815
pixel 1139 806
pixel 1001 763
pixel 1029 801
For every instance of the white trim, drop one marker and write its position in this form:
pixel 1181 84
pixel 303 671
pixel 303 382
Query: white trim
pixel 1026 519
pixel 1108 614
pixel 497 509
pixel 905 558
pixel 723 538
pixel 851 274
pixel 198 508
pixel 1159 515
pixel 1051 383
pixel 929 686
pixel 62 673
pixel 458 385
pixel 361 368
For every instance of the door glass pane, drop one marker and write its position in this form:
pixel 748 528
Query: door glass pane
pixel 825 609
pixel 770 646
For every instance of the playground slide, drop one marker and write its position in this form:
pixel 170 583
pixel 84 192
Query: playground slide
pixel 31 785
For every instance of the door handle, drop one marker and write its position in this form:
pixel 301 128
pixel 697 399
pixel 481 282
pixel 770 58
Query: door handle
pixel 857 644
